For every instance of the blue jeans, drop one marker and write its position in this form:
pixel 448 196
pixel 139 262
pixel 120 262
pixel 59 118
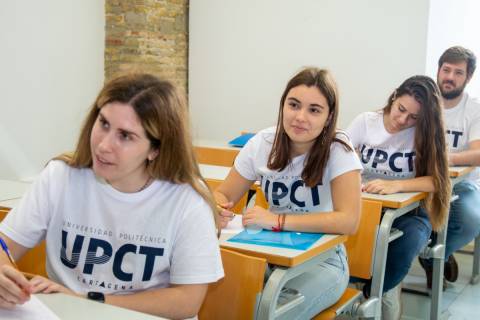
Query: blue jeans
pixel 416 229
pixel 464 218
pixel 321 286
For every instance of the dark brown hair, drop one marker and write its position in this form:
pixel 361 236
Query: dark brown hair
pixel 318 155
pixel 430 146
pixel 458 54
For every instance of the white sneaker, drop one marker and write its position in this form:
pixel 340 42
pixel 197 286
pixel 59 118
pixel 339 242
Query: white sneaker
pixel 392 304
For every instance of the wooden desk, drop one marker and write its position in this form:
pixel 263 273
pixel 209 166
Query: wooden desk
pixel 10 189
pixel 74 308
pixel 283 256
pixel 397 205
pixel 290 263
pixel 214 172
pixel 459 171
pixel 211 143
pixel 10 193
pixel 396 200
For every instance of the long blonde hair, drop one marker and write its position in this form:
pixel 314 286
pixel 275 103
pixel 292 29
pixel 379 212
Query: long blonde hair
pixel 163 114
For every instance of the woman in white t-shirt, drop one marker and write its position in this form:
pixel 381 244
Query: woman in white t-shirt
pixel 311 178
pixel 402 149
pixel 126 218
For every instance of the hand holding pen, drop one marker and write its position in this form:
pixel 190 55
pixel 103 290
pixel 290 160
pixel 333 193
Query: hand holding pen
pixel 225 214
pixel 14 287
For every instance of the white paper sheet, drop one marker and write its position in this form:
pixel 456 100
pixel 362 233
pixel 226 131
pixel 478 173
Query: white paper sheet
pixel 235 226
pixel 32 309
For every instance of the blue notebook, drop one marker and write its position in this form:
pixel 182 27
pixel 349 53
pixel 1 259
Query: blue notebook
pixel 284 239
pixel 242 140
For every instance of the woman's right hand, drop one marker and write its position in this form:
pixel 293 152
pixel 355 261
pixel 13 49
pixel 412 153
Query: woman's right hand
pixel 225 214
pixel 14 287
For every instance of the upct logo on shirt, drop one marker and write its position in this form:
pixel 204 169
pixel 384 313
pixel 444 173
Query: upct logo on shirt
pixel 395 162
pixel 100 251
pixel 290 193
pixel 453 137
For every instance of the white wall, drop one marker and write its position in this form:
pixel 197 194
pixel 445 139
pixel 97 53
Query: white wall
pixel 51 63
pixel 242 53
pixel 454 23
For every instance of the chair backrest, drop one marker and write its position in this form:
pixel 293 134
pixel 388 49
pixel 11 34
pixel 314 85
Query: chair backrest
pixel 34 261
pixel 360 246
pixel 216 156
pixel 235 296
pixel 241 204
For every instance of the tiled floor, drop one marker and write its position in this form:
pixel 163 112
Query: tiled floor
pixel 461 300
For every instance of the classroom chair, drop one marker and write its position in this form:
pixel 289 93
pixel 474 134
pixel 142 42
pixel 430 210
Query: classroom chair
pixel 216 156
pixel 235 296
pixel 34 261
pixel 360 250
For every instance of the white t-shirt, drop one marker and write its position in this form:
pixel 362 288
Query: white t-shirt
pixel 285 190
pixel 462 123
pixel 100 239
pixel 383 155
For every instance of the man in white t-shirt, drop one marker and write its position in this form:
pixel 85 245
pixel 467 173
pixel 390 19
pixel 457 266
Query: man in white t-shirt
pixel 462 122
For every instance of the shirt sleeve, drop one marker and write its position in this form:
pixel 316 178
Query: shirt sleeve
pixel 27 223
pixel 474 129
pixel 245 161
pixel 356 130
pixel 196 252
pixel 342 160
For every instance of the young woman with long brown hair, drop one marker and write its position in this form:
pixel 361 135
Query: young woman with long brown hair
pixel 126 217
pixel 307 171
pixel 402 149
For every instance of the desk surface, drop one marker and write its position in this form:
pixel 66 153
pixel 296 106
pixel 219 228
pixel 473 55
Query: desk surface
pixel 396 200
pixel 459 171
pixel 283 256
pixel 74 308
pixel 10 189
pixel 218 144
pixel 214 172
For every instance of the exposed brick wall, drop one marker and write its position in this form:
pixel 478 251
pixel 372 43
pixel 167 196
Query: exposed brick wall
pixel 149 36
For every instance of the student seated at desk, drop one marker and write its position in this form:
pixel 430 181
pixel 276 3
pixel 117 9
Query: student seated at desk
pixel 310 175
pixel 126 218
pixel 402 149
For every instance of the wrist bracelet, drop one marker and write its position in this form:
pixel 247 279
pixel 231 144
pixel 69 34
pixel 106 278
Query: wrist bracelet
pixel 278 227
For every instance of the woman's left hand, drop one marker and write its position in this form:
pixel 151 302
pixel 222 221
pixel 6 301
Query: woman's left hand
pixel 260 217
pixel 44 285
pixel 382 186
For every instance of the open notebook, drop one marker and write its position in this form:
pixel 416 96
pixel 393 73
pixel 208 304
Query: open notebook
pixel 32 309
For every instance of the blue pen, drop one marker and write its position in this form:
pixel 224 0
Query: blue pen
pixel 5 248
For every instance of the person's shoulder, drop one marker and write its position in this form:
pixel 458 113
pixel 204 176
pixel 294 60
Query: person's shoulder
pixel 368 117
pixel 267 134
pixel 342 140
pixel 57 167
pixel 372 116
pixel 472 102
pixel 182 191
pixel 264 137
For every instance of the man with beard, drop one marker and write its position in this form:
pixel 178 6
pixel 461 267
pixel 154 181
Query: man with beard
pixel 462 122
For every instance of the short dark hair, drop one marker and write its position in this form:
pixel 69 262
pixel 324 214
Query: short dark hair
pixel 459 54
